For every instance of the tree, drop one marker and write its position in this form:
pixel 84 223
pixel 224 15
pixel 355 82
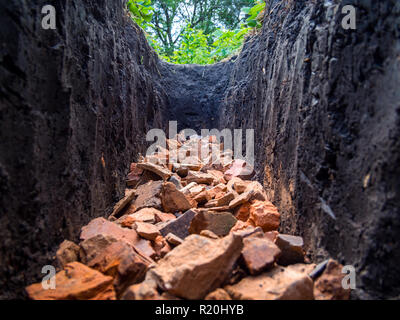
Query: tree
pixel 171 17
pixel 196 31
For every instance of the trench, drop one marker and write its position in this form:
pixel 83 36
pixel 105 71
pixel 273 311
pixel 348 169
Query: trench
pixel 78 101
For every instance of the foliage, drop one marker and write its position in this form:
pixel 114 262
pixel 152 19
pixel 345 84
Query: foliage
pixel 253 13
pixel 196 31
pixel 142 11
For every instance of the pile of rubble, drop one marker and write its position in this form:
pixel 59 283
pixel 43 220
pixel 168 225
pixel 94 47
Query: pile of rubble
pixel 193 228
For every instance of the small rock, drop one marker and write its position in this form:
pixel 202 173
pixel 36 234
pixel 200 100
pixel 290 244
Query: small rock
pixel 176 182
pixel 292 249
pixel 158 170
pixel 250 231
pixel 173 239
pixel 222 201
pixel 202 197
pixel 319 269
pixel 218 191
pixel 241 225
pixel 179 226
pixel 134 176
pixel 265 215
pixel 219 294
pixel 329 285
pixel 148 195
pixel 186 189
pixel 147 290
pixel 271 235
pixel 239 185
pixel 198 266
pixel 243 212
pixel 121 204
pixel 218 176
pixel 199 177
pixel 121 262
pixel 163 217
pixel 67 252
pixel 243 198
pixel 94 246
pixel 218 222
pixel 144 248
pixel 173 200
pixel 290 283
pixel 147 230
pixel 259 254
pixel 239 168
pixel 101 226
pixel 208 234
pixel 75 282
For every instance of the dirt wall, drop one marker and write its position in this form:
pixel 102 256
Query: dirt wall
pixel 324 103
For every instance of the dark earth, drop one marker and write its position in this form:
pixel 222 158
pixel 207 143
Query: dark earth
pixel 77 102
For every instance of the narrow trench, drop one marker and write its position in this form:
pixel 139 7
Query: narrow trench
pixel 314 212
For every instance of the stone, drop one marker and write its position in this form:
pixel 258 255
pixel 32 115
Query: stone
pixel 328 286
pixel 319 269
pixel 173 239
pixel 148 195
pixel 240 225
pixel 292 249
pixel 290 283
pixel 208 234
pixel 243 198
pixel 134 176
pixel 241 169
pixel 219 294
pixel 157 169
pixel 198 266
pixel 179 226
pixel 186 189
pixel 176 182
pixel 258 190
pixel 146 230
pixel 149 215
pixel 168 296
pixel 271 235
pixel 218 222
pixel 67 252
pixel 147 290
pixel 202 197
pixel 101 226
pixel 182 171
pixel 94 246
pixel 75 282
pixel 239 185
pixel 259 254
pixel 218 191
pixel 163 217
pixel 265 215
pixel 121 262
pixel 222 201
pixel 144 248
pixel 199 177
pixel 121 204
pixel 216 209
pixel 173 200
pixel 250 231
pixel 242 212
pixel 218 176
